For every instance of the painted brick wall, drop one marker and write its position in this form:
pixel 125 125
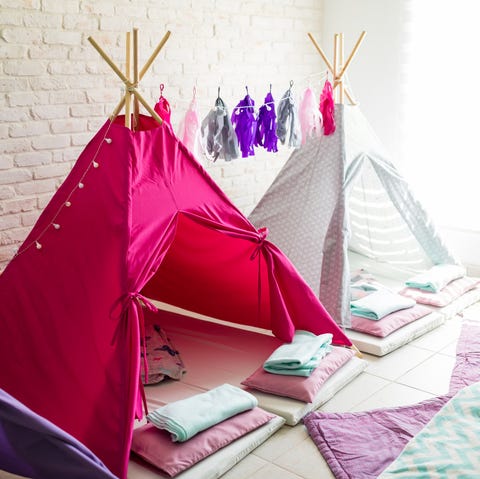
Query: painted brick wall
pixel 56 90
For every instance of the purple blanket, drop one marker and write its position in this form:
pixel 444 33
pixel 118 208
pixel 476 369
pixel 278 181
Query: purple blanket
pixel 361 445
pixel 34 447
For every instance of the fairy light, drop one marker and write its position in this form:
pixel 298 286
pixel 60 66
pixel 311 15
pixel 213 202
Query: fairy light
pixel 80 185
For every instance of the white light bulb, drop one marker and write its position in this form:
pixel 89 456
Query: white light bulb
pixel 108 140
pixel 81 185
pixel 56 226
pixel 95 164
pixel 67 204
pixel 38 245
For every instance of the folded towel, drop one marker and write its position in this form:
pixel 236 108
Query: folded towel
pixel 362 289
pixel 187 417
pixel 437 277
pixel 301 356
pixel 380 303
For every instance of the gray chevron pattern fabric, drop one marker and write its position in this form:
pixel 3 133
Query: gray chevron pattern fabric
pixel 448 446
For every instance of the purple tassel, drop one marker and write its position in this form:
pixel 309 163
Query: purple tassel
pixel 266 134
pixel 243 118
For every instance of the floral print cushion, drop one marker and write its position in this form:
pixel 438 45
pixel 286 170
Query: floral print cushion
pixel 163 359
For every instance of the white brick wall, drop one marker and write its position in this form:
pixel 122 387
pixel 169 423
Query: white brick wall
pixel 55 90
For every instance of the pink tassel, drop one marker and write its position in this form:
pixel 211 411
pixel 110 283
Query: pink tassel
pixel 189 129
pixel 327 108
pixel 162 107
pixel 309 115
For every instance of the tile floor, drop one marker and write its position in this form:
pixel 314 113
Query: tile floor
pixel 417 371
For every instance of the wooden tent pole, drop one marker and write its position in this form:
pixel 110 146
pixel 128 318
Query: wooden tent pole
pixel 131 87
pixel 154 54
pixel 344 68
pixel 354 51
pixel 127 99
pixel 340 64
pixel 110 62
pixel 120 105
pixel 335 65
pixel 136 107
pixel 322 53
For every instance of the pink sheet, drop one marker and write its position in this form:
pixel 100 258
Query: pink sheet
pixel 156 447
pixel 443 298
pixel 390 323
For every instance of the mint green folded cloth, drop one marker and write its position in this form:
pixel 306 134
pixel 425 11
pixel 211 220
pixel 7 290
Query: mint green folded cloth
pixel 379 304
pixel 187 417
pixel 437 277
pixel 301 356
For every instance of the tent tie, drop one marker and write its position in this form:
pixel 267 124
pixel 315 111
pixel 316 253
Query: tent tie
pixel 141 301
pixel 263 232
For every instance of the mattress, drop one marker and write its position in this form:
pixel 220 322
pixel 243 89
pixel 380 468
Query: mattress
pixel 394 278
pixel 215 465
pixel 293 410
pixel 215 353
pixel 382 346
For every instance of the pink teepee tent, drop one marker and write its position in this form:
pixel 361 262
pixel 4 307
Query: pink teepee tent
pixel 137 217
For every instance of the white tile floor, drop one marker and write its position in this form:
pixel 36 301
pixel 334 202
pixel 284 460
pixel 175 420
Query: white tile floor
pixel 417 371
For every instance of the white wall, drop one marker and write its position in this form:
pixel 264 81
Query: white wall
pixel 377 77
pixel 55 90
pixel 375 73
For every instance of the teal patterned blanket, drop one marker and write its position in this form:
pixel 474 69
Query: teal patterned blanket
pixel 448 446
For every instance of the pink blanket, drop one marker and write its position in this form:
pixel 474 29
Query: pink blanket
pixel 361 445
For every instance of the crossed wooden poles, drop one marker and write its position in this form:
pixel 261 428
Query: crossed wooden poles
pixel 131 85
pixel 339 68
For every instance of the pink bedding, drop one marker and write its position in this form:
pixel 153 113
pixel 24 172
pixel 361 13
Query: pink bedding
pixel 443 298
pixel 390 323
pixel 297 387
pixel 157 448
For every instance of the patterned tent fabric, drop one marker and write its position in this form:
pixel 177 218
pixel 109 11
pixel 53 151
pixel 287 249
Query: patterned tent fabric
pixel 341 192
pixel 138 218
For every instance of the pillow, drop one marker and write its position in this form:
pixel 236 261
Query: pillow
pixel 298 387
pixel 390 323
pixel 163 359
pixel 444 297
pixel 156 446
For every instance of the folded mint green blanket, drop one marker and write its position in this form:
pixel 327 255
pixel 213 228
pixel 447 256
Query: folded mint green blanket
pixel 301 356
pixel 437 277
pixel 379 304
pixel 187 417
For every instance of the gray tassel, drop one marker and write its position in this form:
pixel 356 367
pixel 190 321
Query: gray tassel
pixel 287 120
pixel 218 136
